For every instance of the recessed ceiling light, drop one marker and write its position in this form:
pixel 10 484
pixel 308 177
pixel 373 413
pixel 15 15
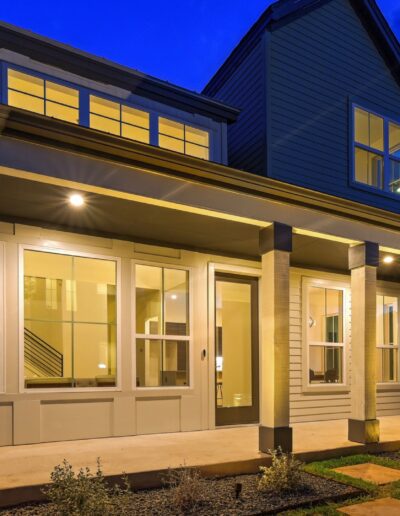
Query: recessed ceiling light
pixel 76 200
pixel 102 366
pixel 388 259
pixel 174 296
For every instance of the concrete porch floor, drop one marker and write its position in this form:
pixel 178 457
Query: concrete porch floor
pixel 216 452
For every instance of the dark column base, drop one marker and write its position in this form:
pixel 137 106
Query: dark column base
pixel 273 438
pixel 364 431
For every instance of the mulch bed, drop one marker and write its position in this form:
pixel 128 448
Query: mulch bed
pixel 221 500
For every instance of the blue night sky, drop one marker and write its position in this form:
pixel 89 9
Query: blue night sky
pixel 181 41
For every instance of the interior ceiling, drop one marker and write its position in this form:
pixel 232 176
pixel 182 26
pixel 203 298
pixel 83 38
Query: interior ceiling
pixel 31 202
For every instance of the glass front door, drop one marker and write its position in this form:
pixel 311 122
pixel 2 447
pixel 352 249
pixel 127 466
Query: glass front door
pixel 236 350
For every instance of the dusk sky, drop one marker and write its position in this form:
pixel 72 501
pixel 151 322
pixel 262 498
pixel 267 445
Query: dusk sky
pixel 181 41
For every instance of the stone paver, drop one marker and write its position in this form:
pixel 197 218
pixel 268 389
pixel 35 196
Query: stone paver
pixel 371 473
pixel 381 507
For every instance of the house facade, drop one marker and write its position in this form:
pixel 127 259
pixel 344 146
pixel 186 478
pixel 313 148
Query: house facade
pixel 173 261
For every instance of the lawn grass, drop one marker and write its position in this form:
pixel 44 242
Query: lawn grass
pixel 372 491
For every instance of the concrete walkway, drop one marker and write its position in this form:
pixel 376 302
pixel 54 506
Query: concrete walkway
pixel 216 451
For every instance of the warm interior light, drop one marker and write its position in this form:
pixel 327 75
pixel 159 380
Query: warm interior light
pixel 76 200
pixel 174 296
pixel 102 366
pixel 388 259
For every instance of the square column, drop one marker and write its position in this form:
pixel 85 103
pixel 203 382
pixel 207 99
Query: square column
pixel 363 262
pixel 275 249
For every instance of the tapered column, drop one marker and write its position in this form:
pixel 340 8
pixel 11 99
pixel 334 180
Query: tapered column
pixel 363 263
pixel 275 248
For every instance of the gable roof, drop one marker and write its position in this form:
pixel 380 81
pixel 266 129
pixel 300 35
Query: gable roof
pixel 284 11
pixel 87 65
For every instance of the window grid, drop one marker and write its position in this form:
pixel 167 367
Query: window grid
pixel 46 101
pixel 388 174
pixel 185 140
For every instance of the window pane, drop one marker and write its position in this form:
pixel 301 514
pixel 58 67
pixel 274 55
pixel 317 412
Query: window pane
pixel 387 365
pixel 27 102
pixel 394 176
pixel 162 363
pixel 104 107
pixel 326 364
pixel 148 300
pixel 176 291
pixel 47 354
pixel 62 112
pixel 135 133
pixel 171 128
pixel 197 136
pixel 376 132
pixel 95 355
pixel 361 126
pixel 105 124
pixel 95 283
pixel 386 321
pixel 25 83
pixel 394 139
pixel 171 143
pixel 135 117
pixel 197 151
pixel 316 314
pixel 62 94
pixel 334 316
pixel 368 168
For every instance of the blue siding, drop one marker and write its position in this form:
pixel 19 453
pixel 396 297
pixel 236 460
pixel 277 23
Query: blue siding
pixel 245 89
pixel 315 64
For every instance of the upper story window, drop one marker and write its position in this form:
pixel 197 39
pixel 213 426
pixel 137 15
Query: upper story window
pixel 183 138
pixel 115 118
pixel 376 151
pixel 80 105
pixel 42 96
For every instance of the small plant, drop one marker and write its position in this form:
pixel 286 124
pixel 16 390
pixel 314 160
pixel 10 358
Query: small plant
pixel 283 475
pixel 85 493
pixel 187 488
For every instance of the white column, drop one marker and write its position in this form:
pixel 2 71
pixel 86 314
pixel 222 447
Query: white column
pixel 275 248
pixel 363 261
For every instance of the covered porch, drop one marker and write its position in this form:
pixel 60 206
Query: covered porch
pixel 24 469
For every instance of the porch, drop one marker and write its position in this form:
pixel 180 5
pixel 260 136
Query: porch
pixel 24 469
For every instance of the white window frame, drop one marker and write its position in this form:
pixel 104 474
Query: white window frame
pixel 2 319
pixel 388 292
pixel 186 338
pixel 67 252
pixel 326 284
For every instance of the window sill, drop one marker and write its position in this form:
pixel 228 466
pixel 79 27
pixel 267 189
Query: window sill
pixel 326 389
pixel 387 387
pixel 375 191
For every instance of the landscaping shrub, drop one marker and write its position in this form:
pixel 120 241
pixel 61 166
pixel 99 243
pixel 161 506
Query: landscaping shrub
pixel 188 488
pixel 85 493
pixel 284 474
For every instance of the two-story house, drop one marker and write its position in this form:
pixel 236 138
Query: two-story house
pixel 173 261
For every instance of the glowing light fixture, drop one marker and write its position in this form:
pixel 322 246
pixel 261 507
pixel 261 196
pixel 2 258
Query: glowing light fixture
pixel 174 296
pixel 76 200
pixel 102 366
pixel 388 259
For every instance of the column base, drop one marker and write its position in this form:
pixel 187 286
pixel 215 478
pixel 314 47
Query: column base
pixel 363 432
pixel 273 438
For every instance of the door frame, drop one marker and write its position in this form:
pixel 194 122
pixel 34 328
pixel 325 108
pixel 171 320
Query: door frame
pixel 236 270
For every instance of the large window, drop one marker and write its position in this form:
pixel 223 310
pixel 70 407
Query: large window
pixel 112 117
pixel 70 321
pixel 183 138
pixel 162 326
pixel 387 339
pixel 324 334
pixel 42 96
pixel 376 151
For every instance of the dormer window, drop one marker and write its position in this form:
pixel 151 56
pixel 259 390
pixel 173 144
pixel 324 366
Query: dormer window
pixel 41 96
pixel 183 138
pixel 376 151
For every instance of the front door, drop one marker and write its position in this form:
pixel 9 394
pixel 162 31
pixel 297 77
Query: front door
pixel 236 350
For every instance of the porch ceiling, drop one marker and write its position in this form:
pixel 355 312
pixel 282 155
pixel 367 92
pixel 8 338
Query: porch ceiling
pixel 27 201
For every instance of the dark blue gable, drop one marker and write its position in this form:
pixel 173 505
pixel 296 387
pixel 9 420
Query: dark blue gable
pixel 317 63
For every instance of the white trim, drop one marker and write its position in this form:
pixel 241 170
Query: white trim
pixel 2 320
pixel 307 387
pixel 213 268
pixel 385 290
pixel 163 389
pixel 25 247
